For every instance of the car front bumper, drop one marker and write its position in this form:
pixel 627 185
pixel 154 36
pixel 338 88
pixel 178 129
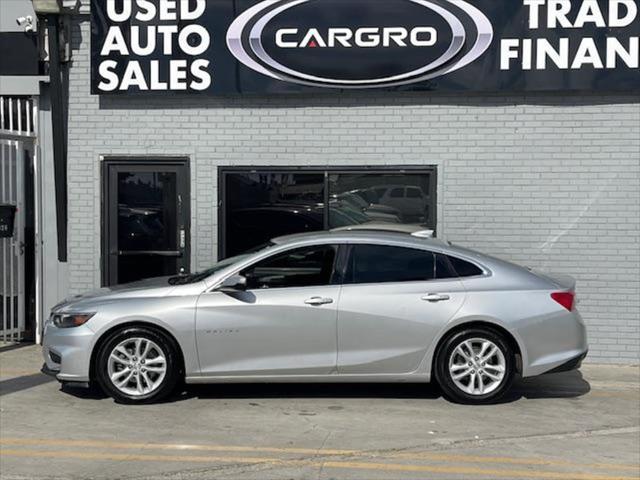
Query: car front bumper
pixel 67 352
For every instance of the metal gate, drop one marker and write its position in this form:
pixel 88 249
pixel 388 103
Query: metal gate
pixel 18 117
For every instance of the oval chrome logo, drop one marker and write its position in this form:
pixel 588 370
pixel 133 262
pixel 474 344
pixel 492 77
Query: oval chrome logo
pixel 359 43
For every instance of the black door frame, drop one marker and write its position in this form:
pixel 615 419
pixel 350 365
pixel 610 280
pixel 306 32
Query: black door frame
pixel 30 276
pixel 183 185
pixel 223 171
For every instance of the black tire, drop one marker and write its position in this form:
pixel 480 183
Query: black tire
pixel 165 386
pixel 444 377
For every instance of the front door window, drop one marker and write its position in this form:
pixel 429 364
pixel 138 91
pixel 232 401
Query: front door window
pixel 302 267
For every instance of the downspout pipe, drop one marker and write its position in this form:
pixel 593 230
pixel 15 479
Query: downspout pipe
pixel 59 133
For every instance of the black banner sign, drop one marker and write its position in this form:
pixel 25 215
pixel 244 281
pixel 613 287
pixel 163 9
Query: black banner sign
pixel 251 46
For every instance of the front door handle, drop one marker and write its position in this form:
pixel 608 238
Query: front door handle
pixel 318 301
pixel 435 297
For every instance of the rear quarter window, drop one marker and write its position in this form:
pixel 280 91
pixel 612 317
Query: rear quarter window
pixel 451 267
pixel 464 268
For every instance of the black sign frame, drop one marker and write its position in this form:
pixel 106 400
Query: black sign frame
pixel 220 47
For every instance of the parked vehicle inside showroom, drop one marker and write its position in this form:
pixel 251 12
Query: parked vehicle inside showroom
pixel 359 304
pixel 410 200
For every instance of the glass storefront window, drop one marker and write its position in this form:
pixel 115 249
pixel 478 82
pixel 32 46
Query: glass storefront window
pixel 258 205
pixel 381 198
pixel 261 205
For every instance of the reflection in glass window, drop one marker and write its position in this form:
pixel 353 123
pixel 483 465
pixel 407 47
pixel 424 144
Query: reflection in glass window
pixel 146 211
pixel 384 198
pixel 261 204
pixel 414 193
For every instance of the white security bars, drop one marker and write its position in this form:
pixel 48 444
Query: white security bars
pixel 18 119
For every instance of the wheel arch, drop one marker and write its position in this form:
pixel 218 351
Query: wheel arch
pixel 478 323
pixel 104 336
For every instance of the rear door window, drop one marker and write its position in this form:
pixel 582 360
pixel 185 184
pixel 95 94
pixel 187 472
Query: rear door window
pixel 385 264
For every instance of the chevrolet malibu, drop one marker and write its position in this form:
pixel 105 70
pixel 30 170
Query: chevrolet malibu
pixel 359 305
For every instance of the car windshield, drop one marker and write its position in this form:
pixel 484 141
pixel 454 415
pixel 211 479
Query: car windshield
pixel 199 276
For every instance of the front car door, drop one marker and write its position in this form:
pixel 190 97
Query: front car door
pixel 283 324
pixel 391 308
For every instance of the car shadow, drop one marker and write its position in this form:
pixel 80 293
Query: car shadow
pixel 24 382
pixel 553 385
pixel 557 385
pixel 311 390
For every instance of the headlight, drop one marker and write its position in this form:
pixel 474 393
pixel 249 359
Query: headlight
pixel 68 320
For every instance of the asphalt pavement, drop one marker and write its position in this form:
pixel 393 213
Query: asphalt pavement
pixel 582 425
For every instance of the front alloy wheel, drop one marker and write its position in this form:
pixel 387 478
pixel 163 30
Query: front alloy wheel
pixel 137 365
pixel 475 366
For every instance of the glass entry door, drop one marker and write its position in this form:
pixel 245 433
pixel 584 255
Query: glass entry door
pixel 146 220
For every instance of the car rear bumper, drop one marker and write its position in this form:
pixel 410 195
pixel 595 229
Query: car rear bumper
pixel 573 364
pixel 553 342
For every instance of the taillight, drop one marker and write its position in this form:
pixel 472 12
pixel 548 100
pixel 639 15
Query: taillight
pixel 565 299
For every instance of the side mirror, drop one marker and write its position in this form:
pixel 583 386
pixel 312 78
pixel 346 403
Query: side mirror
pixel 234 283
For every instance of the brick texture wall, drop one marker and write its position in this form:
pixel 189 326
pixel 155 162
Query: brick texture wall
pixel 546 180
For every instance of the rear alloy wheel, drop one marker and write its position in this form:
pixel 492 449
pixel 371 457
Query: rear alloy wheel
pixel 475 366
pixel 137 365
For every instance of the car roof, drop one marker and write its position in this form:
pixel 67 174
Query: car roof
pixel 417 230
pixel 339 235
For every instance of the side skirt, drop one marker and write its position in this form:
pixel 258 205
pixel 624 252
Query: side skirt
pixel 335 378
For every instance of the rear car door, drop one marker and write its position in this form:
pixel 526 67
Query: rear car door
pixel 391 308
pixel 283 324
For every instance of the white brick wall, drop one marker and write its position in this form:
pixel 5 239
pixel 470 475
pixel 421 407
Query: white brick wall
pixel 546 180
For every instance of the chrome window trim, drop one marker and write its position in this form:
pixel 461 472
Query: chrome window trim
pixel 328 240
pixel 277 250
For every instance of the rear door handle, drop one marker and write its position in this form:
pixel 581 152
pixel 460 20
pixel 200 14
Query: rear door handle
pixel 435 297
pixel 318 301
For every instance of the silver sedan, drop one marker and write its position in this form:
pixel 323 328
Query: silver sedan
pixel 338 306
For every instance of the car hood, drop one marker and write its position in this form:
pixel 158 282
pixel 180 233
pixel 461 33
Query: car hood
pixel 150 287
